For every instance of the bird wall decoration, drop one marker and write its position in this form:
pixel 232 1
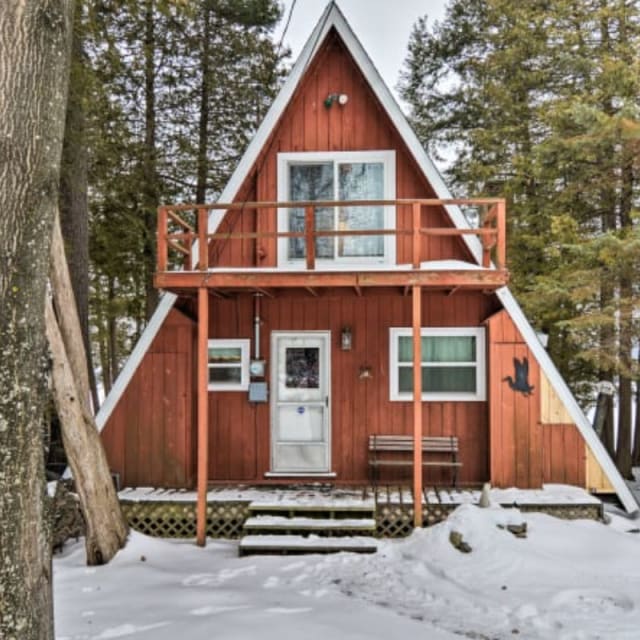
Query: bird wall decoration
pixel 521 382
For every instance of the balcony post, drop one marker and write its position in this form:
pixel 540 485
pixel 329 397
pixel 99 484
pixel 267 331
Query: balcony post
pixel 417 404
pixel 203 245
pixel 416 236
pixel 162 239
pixel 203 415
pixel 501 251
pixel 310 244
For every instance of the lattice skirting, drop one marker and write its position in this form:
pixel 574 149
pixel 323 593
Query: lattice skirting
pixel 178 519
pixel 396 521
pixel 225 519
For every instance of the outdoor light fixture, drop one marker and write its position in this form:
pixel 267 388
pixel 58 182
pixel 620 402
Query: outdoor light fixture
pixel 365 372
pixel 340 98
pixel 346 339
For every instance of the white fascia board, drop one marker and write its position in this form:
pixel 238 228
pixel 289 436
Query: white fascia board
pixel 565 395
pixel 134 360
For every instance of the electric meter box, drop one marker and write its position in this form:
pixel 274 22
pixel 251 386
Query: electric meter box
pixel 258 392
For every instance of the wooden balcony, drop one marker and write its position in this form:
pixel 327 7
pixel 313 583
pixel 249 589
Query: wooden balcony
pixel 185 264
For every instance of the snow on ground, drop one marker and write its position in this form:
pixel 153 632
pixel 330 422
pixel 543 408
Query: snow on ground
pixel 573 580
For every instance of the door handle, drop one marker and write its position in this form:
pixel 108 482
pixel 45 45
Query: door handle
pixel 326 401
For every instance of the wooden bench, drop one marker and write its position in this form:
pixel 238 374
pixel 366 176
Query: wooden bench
pixel 383 444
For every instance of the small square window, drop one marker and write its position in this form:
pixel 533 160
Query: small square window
pixel 228 364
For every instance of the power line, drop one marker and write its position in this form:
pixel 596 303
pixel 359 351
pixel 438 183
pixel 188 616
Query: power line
pixel 286 27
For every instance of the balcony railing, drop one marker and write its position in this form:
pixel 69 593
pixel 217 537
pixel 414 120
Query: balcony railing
pixel 184 238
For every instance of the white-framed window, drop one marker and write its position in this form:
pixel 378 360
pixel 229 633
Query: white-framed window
pixel 338 175
pixel 453 363
pixel 228 362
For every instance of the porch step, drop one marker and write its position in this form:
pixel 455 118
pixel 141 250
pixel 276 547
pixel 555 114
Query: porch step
pixel 309 526
pixel 301 523
pixel 295 544
pixel 315 508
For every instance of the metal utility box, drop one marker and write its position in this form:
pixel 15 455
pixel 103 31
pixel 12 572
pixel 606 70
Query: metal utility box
pixel 258 392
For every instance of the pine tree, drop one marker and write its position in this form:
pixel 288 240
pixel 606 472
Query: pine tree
pixel 180 88
pixel 542 100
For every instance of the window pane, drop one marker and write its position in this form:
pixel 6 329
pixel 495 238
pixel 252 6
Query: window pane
pixel 405 349
pixel 302 368
pixel 361 181
pixel 449 349
pixel 225 355
pixel 225 375
pixel 460 379
pixel 439 379
pixel 311 182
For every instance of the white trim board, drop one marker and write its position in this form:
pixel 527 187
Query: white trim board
pixel 332 17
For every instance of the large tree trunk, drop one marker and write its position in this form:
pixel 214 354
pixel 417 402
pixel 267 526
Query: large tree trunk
pixel 74 209
pixel 203 125
pixel 35 38
pixel 106 527
pixel 150 187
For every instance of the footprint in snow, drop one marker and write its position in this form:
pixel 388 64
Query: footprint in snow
pixel 271 582
pixel 288 610
pixel 208 611
pixel 292 567
pixel 128 630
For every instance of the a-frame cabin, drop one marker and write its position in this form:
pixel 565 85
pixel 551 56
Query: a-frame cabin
pixel 285 338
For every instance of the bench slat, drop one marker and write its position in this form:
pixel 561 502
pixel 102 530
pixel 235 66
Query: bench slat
pixel 382 444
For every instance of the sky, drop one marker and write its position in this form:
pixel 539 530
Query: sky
pixel 382 26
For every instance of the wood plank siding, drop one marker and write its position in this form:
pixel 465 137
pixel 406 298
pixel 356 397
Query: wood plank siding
pixel 525 451
pixel 239 434
pixel 149 437
pixel 307 125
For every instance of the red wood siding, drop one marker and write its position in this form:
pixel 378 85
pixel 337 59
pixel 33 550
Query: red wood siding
pixel 240 432
pixel 307 125
pixel 148 437
pixel 516 433
pixel 525 452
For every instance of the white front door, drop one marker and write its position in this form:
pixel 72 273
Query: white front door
pixel 300 432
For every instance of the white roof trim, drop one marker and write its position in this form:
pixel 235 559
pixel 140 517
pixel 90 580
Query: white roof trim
pixel 333 17
pixel 565 395
pixel 134 360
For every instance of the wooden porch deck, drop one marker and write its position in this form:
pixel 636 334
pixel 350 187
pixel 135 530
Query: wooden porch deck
pixel 172 513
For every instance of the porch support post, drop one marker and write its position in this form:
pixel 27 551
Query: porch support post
pixel 417 405
pixel 203 417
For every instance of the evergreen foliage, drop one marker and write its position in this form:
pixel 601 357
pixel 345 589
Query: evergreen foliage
pixel 541 102
pixel 173 93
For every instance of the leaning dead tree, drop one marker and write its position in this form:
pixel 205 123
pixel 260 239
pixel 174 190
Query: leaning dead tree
pixel 106 528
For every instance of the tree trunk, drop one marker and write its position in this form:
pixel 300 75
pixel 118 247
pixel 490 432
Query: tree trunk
pixel 106 527
pixel 203 125
pixel 150 187
pixel 35 39
pixel 65 303
pixel 74 209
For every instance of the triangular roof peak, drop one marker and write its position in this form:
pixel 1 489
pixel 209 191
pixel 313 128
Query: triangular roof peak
pixel 333 18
